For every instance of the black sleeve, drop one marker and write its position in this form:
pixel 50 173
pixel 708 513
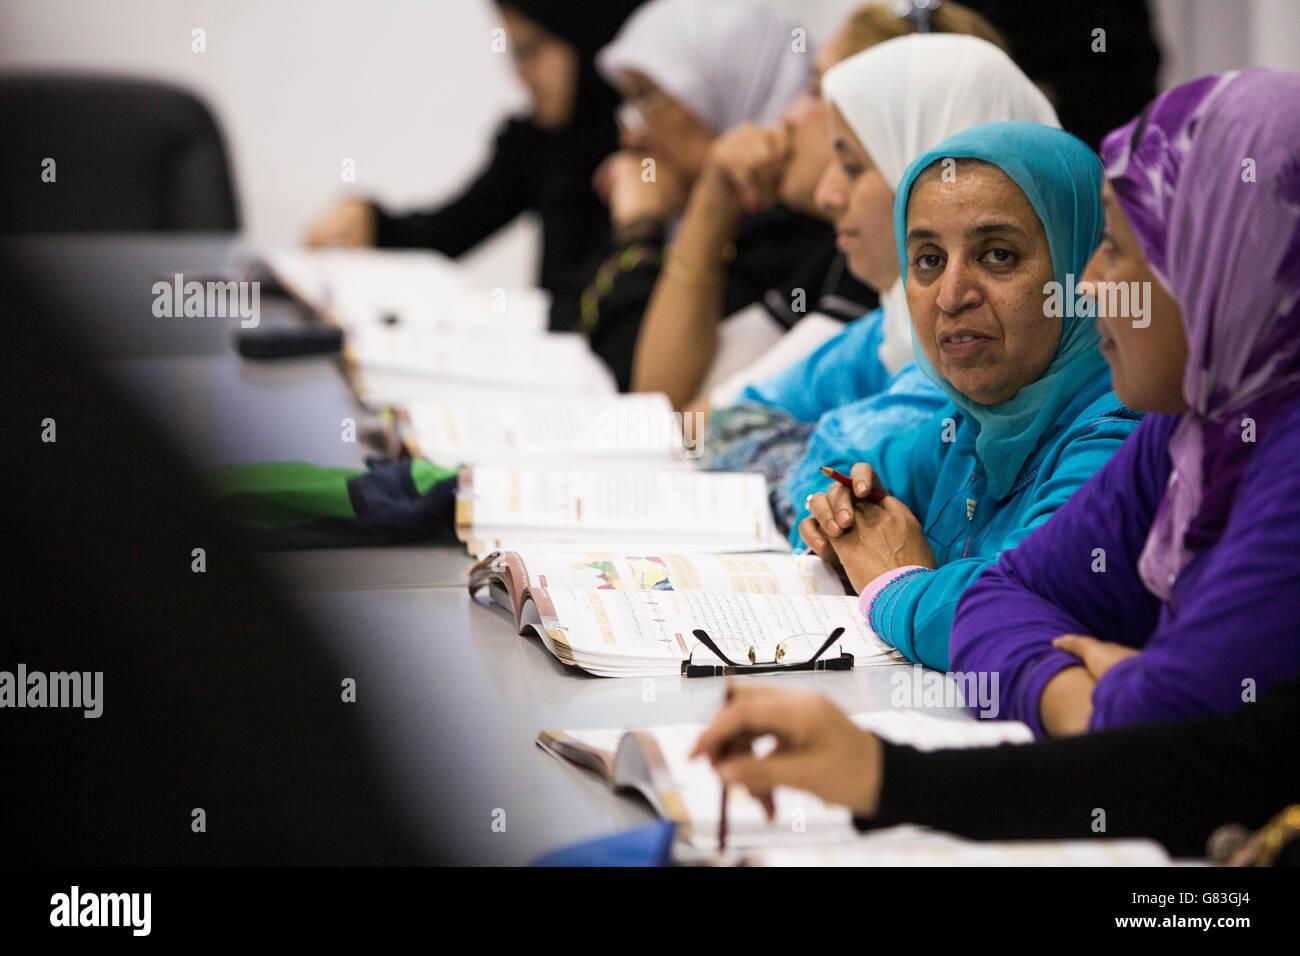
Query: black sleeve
pixel 498 195
pixel 784 260
pixel 609 308
pixel 1175 782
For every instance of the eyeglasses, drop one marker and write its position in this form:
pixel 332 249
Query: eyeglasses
pixel 633 113
pixel 712 657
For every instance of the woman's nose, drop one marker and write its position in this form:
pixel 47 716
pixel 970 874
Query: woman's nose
pixel 631 137
pixel 1092 272
pixel 957 288
pixel 828 196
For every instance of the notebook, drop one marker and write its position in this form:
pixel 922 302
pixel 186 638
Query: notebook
pixel 654 763
pixel 503 507
pixel 633 614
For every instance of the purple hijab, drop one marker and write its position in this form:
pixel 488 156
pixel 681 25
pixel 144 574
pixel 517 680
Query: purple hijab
pixel 1228 250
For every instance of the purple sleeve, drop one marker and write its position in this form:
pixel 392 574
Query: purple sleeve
pixel 1233 626
pixel 1075 574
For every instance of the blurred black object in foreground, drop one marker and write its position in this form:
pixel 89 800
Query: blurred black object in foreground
pixel 214 696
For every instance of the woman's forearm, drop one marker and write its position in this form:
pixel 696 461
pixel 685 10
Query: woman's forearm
pixel 1066 705
pixel 678 337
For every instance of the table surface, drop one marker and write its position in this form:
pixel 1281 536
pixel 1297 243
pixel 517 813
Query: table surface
pixel 452 696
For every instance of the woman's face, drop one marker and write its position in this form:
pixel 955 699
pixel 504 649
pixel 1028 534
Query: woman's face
pixel 856 199
pixel 1146 362
pixel 978 260
pixel 661 127
pixel 807 131
pixel 547 66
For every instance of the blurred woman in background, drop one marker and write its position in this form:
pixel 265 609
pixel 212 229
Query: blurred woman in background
pixel 688 72
pixel 749 169
pixel 542 162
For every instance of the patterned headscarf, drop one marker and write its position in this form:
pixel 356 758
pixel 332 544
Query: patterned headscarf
pixel 1209 179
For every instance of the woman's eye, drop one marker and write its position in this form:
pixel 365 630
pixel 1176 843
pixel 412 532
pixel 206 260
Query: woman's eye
pixel 926 261
pixel 1000 256
pixel 852 170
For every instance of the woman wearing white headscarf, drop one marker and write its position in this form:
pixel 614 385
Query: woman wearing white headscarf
pixel 889 104
pixel 688 71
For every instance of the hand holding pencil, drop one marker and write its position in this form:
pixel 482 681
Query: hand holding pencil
pixel 861 530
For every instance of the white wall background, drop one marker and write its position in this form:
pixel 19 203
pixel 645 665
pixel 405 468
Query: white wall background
pixel 411 90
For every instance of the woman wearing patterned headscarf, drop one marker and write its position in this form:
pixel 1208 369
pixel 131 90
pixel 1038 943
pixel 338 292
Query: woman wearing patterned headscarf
pixel 1169 586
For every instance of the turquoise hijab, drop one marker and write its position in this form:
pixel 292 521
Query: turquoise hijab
pixel 1062 179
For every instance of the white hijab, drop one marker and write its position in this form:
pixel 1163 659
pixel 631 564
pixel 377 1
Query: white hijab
pixel 907 95
pixel 727 61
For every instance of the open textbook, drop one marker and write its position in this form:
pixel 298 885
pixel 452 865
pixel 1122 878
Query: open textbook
pixel 471 428
pixel 907 845
pixel 412 325
pixel 633 614
pixel 654 762
pixel 356 287
pixel 613 508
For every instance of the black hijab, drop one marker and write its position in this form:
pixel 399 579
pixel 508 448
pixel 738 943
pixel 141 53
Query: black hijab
pixel 575 223
pixel 586 25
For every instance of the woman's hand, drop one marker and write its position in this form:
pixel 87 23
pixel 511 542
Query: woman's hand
pixel 864 539
pixel 1097 656
pixel 623 182
pixel 349 223
pixel 750 160
pixel 818 748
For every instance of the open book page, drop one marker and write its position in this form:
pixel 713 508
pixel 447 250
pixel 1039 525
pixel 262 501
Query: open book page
pixel 502 507
pixel 753 573
pixel 802 820
pixel 359 287
pixel 924 732
pixel 908 845
pixel 619 633
pixel 631 430
pixel 558 361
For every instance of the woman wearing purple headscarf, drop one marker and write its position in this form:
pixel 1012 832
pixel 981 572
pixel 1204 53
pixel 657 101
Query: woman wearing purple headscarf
pixel 1169 585
pixel 1179 560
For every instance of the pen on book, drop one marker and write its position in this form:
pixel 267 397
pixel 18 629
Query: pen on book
pixel 722 813
pixel 873 496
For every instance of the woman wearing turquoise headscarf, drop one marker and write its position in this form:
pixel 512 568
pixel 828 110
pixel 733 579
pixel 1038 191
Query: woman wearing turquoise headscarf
pixel 992 227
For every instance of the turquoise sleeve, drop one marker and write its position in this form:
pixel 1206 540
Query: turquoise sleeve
pixel 842 370
pixel 914 613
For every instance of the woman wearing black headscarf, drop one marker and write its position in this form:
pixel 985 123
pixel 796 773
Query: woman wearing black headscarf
pixel 542 162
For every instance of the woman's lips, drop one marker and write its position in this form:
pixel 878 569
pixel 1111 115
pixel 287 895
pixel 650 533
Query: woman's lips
pixel 962 343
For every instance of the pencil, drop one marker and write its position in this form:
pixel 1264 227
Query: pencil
pixel 873 496
pixel 722 813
